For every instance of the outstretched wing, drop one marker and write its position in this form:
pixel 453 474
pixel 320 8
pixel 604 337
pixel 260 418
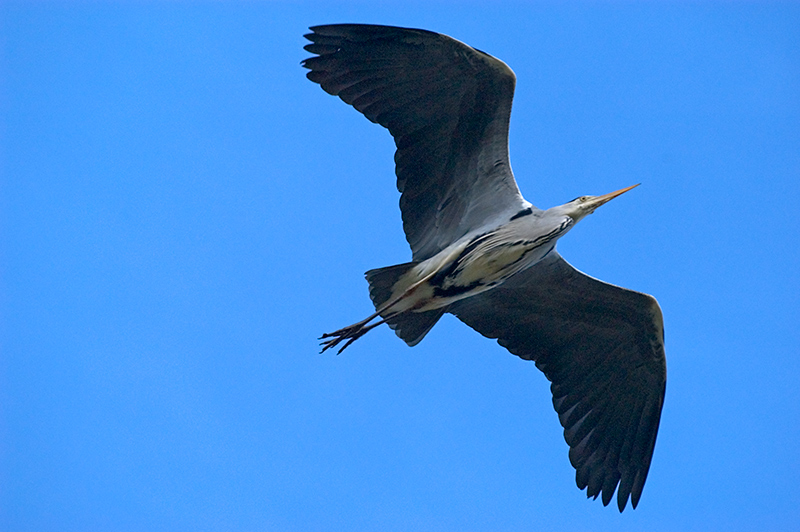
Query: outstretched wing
pixel 446 105
pixel 602 348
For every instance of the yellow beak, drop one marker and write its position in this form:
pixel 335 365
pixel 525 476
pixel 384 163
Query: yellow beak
pixel 600 200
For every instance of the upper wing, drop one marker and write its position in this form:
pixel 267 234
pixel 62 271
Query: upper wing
pixel 602 348
pixel 446 105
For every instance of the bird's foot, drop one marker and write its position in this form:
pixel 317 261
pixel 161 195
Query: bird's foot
pixel 350 333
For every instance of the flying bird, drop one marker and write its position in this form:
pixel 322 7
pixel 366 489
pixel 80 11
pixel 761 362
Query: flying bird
pixel 483 253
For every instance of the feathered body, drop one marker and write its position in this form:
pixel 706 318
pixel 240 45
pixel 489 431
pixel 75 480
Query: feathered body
pixel 483 253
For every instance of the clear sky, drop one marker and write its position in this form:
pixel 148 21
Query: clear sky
pixel 182 214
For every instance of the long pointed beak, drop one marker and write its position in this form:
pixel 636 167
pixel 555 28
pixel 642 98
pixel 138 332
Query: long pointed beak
pixel 600 200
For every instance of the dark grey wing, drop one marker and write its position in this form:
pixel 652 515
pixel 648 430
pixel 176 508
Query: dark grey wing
pixel 446 105
pixel 602 348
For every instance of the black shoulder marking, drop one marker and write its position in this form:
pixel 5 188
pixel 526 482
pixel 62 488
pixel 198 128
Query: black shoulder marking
pixel 523 212
pixel 455 290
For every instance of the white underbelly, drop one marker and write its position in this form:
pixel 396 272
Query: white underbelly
pixel 471 266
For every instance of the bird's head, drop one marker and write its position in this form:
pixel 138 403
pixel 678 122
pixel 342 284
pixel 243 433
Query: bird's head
pixel 585 205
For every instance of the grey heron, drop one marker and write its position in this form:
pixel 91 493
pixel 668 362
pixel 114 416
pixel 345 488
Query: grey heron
pixel 483 253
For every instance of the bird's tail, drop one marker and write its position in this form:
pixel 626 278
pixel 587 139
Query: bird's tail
pixel 410 326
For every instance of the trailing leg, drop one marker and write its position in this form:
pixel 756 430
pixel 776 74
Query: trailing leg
pixel 392 290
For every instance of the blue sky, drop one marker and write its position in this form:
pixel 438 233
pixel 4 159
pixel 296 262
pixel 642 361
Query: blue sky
pixel 182 214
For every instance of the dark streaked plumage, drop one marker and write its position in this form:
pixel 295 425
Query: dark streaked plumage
pixel 483 253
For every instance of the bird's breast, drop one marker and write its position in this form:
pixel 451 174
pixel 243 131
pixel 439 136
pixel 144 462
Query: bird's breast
pixel 492 257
